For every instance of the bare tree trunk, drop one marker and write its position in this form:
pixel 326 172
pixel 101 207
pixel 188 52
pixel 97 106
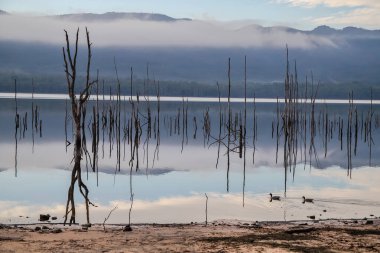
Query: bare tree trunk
pixel 77 107
pixel 245 125
pixel 17 126
pixel 229 125
pixel 206 211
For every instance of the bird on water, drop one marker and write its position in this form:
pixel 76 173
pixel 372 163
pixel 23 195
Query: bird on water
pixel 274 197
pixel 307 200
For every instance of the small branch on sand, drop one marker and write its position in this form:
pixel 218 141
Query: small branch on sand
pixel 206 206
pixel 109 214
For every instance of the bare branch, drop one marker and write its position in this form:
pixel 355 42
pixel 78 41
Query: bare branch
pixel 76 50
pixel 109 214
pixel 88 59
pixel 68 50
pixel 66 68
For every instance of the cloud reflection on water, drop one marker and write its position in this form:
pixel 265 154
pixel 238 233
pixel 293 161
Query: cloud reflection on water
pixel 332 191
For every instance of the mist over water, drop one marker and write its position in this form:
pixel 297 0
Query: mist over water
pixel 129 33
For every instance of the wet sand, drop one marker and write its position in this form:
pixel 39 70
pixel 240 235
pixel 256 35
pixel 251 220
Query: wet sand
pixel 220 236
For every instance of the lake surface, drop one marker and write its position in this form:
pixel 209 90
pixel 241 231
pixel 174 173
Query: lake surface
pixel 171 182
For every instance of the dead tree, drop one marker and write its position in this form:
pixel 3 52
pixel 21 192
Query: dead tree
pixel 77 107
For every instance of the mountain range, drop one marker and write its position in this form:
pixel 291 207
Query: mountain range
pixel 156 17
pixel 112 16
pixel 322 30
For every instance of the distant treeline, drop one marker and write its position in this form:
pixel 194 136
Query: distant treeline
pixel 57 84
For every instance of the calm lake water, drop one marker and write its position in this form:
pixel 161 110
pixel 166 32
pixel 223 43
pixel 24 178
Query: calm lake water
pixel 170 185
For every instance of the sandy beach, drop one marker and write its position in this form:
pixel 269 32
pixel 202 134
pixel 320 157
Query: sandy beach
pixel 219 236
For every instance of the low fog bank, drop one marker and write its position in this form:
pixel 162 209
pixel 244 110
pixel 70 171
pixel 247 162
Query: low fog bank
pixel 130 33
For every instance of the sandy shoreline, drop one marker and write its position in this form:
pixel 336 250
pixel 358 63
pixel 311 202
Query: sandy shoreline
pixel 219 236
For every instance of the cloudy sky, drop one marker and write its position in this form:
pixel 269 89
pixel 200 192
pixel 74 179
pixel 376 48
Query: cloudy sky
pixel 303 14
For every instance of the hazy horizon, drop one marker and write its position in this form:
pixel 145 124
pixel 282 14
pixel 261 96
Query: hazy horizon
pixel 189 50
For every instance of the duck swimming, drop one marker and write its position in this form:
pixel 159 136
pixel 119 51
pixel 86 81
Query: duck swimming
pixel 274 197
pixel 307 200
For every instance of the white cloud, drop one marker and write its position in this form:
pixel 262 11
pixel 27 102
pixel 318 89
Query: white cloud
pixel 363 17
pixel 335 3
pixel 362 13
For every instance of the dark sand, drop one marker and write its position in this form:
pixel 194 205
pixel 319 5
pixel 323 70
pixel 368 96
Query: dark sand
pixel 221 236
